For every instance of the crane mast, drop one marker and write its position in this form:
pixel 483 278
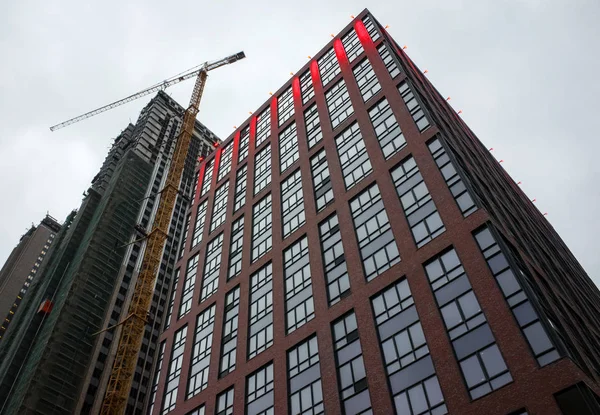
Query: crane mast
pixel 132 333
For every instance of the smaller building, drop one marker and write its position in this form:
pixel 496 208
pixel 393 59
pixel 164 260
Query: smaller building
pixel 22 266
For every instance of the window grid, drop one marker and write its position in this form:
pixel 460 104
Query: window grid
pixel 293 215
pixel 288 147
pixel 414 107
pixel 236 247
pixel 334 260
pixel 304 378
pixel 230 331
pixel 366 79
pixel 370 26
pixel 189 282
pixel 527 317
pixel 262 228
pixel 207 179
pixel 352 45
pixel 195 187
pixel 225 402
pixel 157 371
pixel 482 365
pixel 199 225
pixel 203 338
pixel 388 60
pixel 212 265
pixel 244 144
pixel 299 303
pixel 352 378
pixel 260 332
pixel 321 181
pixel 185 235
pixel 422 215
pixel 338 103
pixel 174 373
pixel 219 206
pixel 285 106
pixel 328 66
pixel 262 169
pixel 259 392
pixel 172 300
pixel 388 132
pixel 411 374
pixel 263 127
pixel 239 198
pixel 225 161
pixel 353 155
pixel 378 248
pixel 453 180
pixel 306 87
pixel 314 134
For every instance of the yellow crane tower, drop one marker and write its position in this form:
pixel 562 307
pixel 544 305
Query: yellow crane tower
pixel 121 377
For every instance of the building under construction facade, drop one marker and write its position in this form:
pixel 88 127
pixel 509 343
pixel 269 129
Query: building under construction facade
pixel 58 357
pixel 353 248
pixel 21 267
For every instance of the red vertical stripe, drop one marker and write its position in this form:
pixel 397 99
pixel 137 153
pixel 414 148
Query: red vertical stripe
pixel 253 128
pixel 296 88
pixel 218 151
pixel 363 33
pixel 340 52
pixel 314 72
pixel 274 113
pixel 236 143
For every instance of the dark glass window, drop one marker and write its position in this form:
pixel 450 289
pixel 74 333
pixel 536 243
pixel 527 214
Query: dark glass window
pixel 239 199
pixel 414 107
pixel 185 235
pixel 225 161
pixel 259 392
pixel 262 169
pixel 172 300
pixel 236 248
pixel 195 187
pixel 244 144
pixel 225 402
pixel 292 201
pixel 329 67
pixel 219 206
pixel 352 45
pixel 386 128
pixel 338 103
pixel 529 321
pixel 299 304
pixel 321 180
pixel 174 373
pixel 262 227
pixel 314 134
pixel 260 332
pixel 157 370
pixel 189 282
pixel 198 377
pixel 334 260
pixel 352 378
pixel 263 127
pixel 208 173
pixel 366 79
pixel 306 86
pixel 199 225
pixel 212 266
pixel 304 378
pixel 370 26
pixel 453 180
pixel 285 105
pixel 422 215
pixel 378 248
pixel 474 344
pixel 388 60
pixel 353 155
pixel 230 330
pixel 411 374
pixel 288 147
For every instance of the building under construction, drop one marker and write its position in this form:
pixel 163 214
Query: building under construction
pixel 58 363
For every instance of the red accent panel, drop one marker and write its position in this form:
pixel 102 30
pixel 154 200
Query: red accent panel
pixel 314 72
pixel 274 113
pixel 236 143
pixel 340 52
pixel 296 88
pixel 253 128
pixel 363 33
pixel 218 153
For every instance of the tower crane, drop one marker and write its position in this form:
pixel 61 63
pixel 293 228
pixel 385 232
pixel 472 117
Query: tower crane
pixel 130 342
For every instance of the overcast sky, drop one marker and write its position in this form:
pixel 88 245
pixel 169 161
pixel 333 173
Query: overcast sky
pixel 524 73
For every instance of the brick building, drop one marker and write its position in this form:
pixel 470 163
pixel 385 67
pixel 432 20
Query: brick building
pixel 353 248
